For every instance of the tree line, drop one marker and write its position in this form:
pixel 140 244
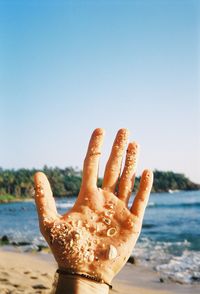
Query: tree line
pixel 66 182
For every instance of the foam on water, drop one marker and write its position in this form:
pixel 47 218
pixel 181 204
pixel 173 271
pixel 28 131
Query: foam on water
pixel 172 260
pixel 151 204
pixel 182 269
pixel 64 205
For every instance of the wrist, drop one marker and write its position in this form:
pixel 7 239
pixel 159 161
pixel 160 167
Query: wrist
pixel 73 284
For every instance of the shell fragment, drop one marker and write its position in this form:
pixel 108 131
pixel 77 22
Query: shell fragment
pixel 112 252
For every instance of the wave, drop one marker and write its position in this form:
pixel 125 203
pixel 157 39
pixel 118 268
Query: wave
pixel 174 205
pixel 64 205
pixel 150 205
pixel 148 226
pixel 172 260
pixel 182 269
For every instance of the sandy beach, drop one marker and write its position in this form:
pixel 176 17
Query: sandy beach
pixel 32 273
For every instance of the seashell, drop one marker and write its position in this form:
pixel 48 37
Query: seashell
pixel 111 232
pixel 77 236
pixel 107 220
pixel 79 223
pixel 109 213
pixel 111 205
pixel 112 252
pixel 91 258
pixel 71 243
pixel 41 192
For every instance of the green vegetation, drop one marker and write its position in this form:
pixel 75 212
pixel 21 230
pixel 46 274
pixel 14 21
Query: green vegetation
pixel 165 181
pixel 7 198
pixel 18 184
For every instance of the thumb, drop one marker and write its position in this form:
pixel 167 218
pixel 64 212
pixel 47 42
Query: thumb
pixel 44 200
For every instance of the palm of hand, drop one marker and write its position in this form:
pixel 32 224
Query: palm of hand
pixel 98 234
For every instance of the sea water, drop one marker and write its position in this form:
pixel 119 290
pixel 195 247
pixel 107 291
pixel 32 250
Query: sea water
pixel 169 242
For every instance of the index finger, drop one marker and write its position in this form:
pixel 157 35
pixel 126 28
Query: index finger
pixel 91 162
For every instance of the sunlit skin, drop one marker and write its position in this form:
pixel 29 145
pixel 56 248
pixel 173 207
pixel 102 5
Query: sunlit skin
pixel 97 236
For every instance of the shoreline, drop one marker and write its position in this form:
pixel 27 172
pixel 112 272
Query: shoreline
pixel 16 200
pixel 34 272
pixel 30 199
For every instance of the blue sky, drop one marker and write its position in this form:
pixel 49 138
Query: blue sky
pixel 67 67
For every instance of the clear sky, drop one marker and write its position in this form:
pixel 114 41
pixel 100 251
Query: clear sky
pixel 67 67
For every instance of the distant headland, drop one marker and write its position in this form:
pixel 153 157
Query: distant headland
pixel 17 184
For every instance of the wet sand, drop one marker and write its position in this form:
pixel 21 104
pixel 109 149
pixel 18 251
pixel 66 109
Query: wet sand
pixel 32 273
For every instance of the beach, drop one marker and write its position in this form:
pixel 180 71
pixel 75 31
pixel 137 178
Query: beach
pixel 32 273
pixel 166 258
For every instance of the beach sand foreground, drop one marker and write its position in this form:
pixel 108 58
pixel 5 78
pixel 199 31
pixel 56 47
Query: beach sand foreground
pixel 32 273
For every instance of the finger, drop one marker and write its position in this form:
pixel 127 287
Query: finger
pixel 91 162
pixel 113 166
pixel 128 176
pixel 142 196
pixel 44 200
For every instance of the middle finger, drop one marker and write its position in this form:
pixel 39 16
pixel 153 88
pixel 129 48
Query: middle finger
pixel 113 166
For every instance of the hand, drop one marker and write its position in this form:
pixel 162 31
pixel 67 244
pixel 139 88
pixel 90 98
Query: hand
pixel 97 236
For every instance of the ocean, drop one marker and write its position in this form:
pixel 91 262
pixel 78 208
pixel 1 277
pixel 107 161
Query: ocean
pixel 169 242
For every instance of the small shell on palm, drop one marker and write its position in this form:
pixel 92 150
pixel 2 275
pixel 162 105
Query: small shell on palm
pixel 79 223
pixel 107 220
pixel 112 252
pixel 109 213
pixel 111 232
pixel 91 258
